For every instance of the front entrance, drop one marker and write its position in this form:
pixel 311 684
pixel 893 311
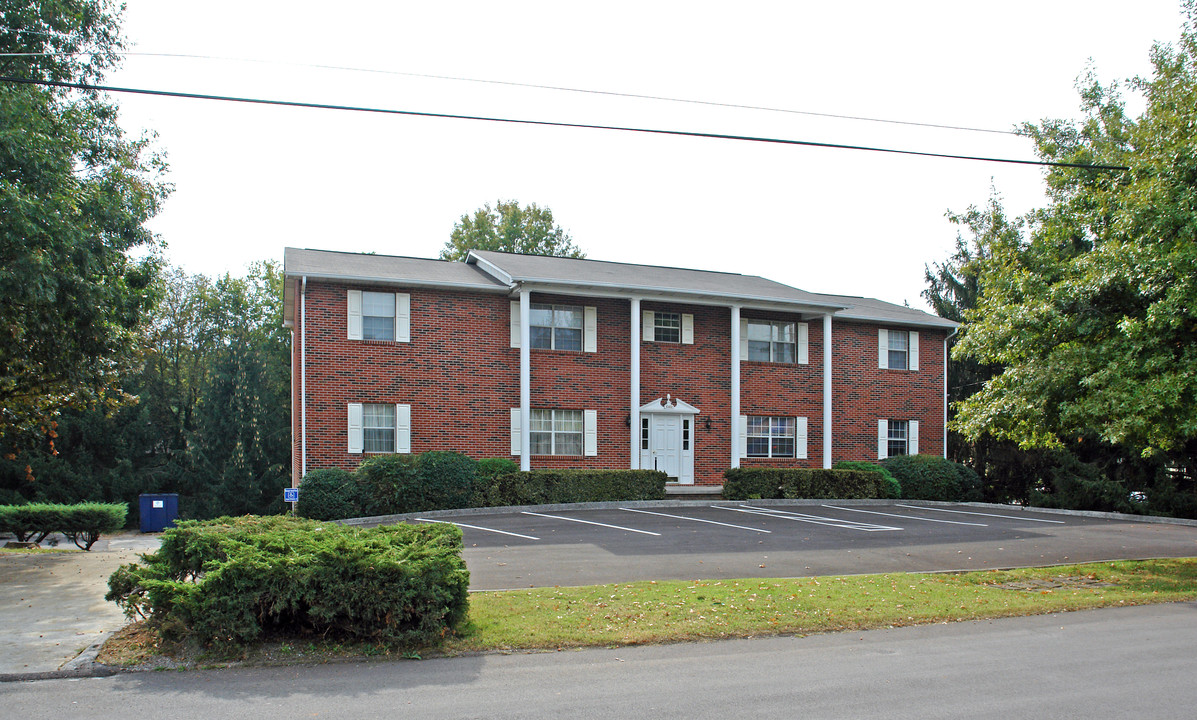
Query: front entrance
pixel 667 439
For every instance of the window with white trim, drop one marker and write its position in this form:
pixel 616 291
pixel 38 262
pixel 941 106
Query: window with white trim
pixel 556 432
pixel 667 327
pixel 899 348
pixel 899 436
pixel 771 341
pixel 378 428
pixel 644 433
pixel 770 437
pixel 557 327
pixel 378 316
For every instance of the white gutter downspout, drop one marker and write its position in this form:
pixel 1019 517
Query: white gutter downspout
pixel 525 380
pixel 735 386
pixel 634 383
pixel 828 347
pixel 945 389
pixel 303 379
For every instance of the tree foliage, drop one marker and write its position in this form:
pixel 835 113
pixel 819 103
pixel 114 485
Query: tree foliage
pixel 509 228
pixel 75 194
pixel 1092 314
pixel 211 421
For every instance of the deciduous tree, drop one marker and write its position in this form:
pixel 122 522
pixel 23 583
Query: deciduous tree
pixel 509 228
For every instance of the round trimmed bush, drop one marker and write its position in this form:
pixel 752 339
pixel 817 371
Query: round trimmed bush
pixel 328 494
pixel 930 477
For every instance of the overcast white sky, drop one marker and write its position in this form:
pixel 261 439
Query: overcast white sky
pixel 251 180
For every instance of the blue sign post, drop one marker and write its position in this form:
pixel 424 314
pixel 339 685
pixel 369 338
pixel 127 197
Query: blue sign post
pixel 291 495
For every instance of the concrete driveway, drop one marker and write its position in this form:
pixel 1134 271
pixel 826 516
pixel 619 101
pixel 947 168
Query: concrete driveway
pixel 53 603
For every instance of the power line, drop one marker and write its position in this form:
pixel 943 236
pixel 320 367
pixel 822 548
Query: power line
pixel 558 88
pixel 543 123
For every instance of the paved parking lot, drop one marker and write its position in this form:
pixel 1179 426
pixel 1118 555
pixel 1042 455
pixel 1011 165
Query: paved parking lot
pixel 535 547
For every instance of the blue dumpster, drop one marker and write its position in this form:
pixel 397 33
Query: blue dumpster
pixel 158 511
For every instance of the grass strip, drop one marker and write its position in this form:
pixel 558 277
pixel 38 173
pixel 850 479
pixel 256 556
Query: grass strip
pixel 677 611
pixel 673 611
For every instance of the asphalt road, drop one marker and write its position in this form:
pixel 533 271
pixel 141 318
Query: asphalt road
pixel 514 549
pixel 1116 663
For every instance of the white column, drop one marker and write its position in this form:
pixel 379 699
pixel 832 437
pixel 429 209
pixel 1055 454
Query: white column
pixel 828 346
pixel 735 386
pixel 634 383
pixel 525 380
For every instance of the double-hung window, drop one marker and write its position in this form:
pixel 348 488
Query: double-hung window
pixel 899 436
pixel 771 341
pixel 899 348
pixel 556 432
pixel 378 428
pixel 557 327
pixel 378 316
pixel 667 327
pixel 771 437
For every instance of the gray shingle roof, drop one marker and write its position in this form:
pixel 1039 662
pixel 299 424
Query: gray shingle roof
pixel 488 271
pixel 359 267
pixel 600 274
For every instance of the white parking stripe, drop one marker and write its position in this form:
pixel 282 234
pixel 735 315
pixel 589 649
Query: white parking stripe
pixel 476 527
pixel 812 519
pixel 683 517
pixel 962 512
pixel 907 517
pixel 588 522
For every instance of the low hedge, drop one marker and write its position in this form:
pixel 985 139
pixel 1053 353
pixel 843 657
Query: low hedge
pixel 891 489
pixel 328 494
pixel 749 483
pixel 228 582
pixel 83 523
pixel 547 487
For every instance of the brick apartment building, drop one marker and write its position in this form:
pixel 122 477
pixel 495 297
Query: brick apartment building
pixel 563 363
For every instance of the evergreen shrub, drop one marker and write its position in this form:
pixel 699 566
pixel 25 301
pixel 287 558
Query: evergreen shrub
pixel 931 477
pixel 329 494
pixel 82 523
pixel 747 483
pixel 547 487
pixel 890 488
pixel 230 581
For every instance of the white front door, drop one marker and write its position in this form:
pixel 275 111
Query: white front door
pixel 670 446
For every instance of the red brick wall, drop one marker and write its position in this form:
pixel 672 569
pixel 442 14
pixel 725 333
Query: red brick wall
pixel 699 374
pixel 461 378
pixel 862 393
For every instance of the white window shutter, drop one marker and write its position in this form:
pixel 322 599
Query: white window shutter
pixel 744 355
pixel 403 429
pixel 515 431
pixel 803 344
pixel 402 317
pixel 687 329
pixel 354 301
pixel 882 439
pixel 883 349
pixel 742 436
pixel 356 438
pixel 590 432
pixel 800 438
pixel 590 329
pixel 912 442
pixel 914 350
pixel 515 323
pixel 648 325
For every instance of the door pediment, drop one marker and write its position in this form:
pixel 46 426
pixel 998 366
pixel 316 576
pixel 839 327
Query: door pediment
pixel 669 405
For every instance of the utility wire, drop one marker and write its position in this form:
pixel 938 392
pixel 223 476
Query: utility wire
pixel 558 88
pixel 543 123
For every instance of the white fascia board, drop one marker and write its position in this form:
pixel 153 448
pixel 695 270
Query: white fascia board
pixel 489 267
pixel 680 297
pixel 933 322
pixel 404 282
